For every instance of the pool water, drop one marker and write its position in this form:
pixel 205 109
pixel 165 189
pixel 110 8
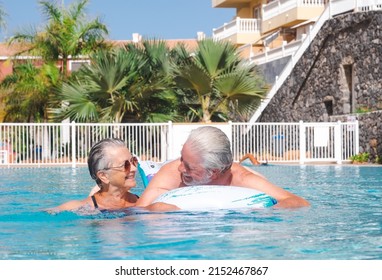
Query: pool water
pixel 343 223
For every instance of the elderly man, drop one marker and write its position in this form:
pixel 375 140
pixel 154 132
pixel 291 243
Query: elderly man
pixel 206 159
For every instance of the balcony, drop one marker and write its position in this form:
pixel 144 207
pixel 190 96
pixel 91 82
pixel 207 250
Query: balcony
pixel 286 13
pixel 275 15
pixel 239 31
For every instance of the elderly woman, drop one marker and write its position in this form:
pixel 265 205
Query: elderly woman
pixel 113 168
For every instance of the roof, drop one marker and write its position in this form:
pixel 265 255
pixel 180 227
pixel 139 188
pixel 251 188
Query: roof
pixel 7 50
pixel 191 44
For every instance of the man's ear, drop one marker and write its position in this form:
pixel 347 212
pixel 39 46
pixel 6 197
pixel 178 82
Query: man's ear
pixel 215 174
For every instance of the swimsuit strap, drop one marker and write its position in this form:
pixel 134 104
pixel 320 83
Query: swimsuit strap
pixel 94 202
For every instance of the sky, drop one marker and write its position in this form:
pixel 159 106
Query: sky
pixel 161 19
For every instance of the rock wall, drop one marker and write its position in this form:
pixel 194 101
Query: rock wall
pixel 370 127
pixel 340 74
pixel 272 69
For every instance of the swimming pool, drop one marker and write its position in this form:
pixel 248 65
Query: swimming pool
pixel 343 223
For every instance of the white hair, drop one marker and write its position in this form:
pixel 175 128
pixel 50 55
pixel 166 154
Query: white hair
pixel 213 146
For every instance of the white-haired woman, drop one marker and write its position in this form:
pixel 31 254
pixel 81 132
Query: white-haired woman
pixel 113 168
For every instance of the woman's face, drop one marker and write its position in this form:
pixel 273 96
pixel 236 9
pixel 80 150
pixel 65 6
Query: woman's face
pixel 119 174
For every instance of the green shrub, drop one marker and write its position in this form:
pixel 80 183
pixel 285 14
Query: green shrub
pixel 378 160
pixel 361 157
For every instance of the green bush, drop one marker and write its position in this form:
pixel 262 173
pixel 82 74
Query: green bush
pixel 361 157
pixel 378 160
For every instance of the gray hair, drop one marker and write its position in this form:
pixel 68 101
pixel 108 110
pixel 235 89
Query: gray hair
pixel 213 146
pixel 99 159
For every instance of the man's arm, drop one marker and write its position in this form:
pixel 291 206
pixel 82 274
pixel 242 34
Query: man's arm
pixel 254 172
pixel 285 199
pixel 162 207
pixel 167 178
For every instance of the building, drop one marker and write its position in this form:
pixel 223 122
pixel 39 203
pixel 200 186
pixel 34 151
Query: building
pixel 261 25
pixel 8 53
pixel 328 66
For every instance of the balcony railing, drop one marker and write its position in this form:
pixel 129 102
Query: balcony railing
pixel 237 26
pixel 276 8
pixel 276 53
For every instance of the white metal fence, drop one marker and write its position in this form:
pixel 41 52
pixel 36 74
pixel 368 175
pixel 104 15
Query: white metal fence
pixel 297 142
pixel 69 143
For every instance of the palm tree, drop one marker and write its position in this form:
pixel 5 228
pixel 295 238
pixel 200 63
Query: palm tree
pixel 158 99
pixel 214 79
pixel 25 93
pixel 97 91
pixel 67 34
pixel 3 14
pixel 127 84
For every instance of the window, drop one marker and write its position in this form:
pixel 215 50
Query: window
pixel 257 12
pixel 74 65
pixel 329 107
pixel 348 71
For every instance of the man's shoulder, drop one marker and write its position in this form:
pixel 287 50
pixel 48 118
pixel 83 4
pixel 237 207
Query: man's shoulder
pixel 241 173
pixel 237 167
pixel 171 164
pixel 167 174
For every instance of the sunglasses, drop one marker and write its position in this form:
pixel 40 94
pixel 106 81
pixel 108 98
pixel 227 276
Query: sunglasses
pixel 127 164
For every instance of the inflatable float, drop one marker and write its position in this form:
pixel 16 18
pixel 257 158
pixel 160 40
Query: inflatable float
pixel 206 197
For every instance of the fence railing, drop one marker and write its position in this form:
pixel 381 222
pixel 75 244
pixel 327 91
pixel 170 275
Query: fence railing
pixel 276 53
pixel 69 143
pixel 297 142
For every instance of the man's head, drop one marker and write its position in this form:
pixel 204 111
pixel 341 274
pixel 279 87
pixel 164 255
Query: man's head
pixel 205 156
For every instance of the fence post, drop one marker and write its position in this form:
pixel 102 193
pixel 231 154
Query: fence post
pixel 356 136
pixel 230 132
pixel 170 148
pixel 330 9
pixel 338 142
pixel 73 128
pixel 302 143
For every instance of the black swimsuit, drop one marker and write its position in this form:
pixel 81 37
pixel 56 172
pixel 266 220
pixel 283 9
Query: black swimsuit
pixel 95 201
